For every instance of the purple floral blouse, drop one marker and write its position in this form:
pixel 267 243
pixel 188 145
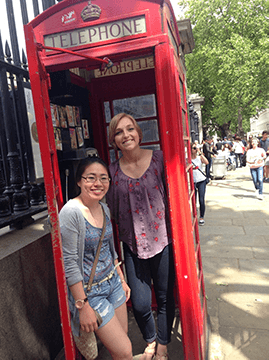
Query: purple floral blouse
pixel 139 207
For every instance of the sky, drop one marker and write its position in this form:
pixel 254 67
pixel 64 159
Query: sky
pixel 176 8
pixel 18 20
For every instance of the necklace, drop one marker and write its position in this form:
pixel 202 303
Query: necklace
pixel 95 216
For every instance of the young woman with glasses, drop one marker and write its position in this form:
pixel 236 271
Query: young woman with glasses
pixel 81 222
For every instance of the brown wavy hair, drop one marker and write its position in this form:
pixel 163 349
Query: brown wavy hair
pixel 113 126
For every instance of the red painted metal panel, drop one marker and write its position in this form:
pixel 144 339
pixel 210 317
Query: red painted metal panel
pixel 53 26
pixel 201 308
pixel 113 51
pixel 173 147
pixel 51 22
pixel 39 81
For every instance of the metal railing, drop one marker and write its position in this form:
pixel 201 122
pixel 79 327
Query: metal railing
pixel 21 193
pixel 193 123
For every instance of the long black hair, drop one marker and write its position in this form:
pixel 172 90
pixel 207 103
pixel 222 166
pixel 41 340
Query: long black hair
pixel 83 164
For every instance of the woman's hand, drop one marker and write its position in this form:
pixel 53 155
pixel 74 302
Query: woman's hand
pixel 126 289
pixel 87 318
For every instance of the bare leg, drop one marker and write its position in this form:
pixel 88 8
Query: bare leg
pixel 266 171
pixel 115 338
pixel 122 316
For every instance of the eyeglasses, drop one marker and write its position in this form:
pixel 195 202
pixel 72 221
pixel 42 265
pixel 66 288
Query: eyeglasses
pixel 194 148
pixel 92 179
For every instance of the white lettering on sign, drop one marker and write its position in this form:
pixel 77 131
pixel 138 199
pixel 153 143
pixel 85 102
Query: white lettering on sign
pixel 125 67
pixel 69 17
pixel 93 34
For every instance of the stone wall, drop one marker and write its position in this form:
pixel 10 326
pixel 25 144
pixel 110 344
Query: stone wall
pixel 29 312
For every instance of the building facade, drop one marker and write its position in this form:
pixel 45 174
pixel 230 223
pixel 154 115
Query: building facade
pixel 258 125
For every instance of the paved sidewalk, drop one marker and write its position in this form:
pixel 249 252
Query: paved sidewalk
pixel 235 256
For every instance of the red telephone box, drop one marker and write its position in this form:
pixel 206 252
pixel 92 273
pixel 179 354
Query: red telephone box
pixel 126 56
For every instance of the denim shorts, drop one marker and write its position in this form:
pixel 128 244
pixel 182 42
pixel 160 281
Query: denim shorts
pixel 106 297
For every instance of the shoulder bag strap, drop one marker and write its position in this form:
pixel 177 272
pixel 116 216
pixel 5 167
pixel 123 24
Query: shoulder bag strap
pixel 97 252
pixel 197 168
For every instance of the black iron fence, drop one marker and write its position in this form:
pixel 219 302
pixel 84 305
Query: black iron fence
pixel 21 191
pixel 193 123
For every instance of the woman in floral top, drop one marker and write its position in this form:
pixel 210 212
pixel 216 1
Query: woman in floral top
pixel 138 203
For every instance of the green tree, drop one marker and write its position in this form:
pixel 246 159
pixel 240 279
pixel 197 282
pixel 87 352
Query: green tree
pixel 229 65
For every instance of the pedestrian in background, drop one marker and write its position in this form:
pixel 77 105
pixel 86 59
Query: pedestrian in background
pixel 199 178
pixel 199 146
pixel 255 160
pixel 209 152
pixel 249 142
pixel 264 143
pixel 238 150
pixel 219 144
pixel 244 141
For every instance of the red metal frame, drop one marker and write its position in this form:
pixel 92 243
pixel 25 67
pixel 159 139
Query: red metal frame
pixel 108 42
pixel 172 133
pixel 40 85
pixel 167 72
pixel 41 47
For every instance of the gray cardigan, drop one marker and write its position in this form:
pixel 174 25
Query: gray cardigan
pixel 73 230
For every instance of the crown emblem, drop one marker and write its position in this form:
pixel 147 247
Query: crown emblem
pixel 91 12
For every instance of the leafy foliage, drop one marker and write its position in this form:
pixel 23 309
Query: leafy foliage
pixel 229 65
